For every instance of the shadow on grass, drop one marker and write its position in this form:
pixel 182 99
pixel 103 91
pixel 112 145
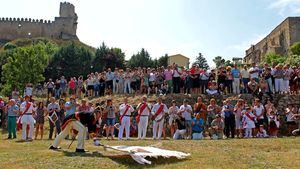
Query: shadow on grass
pixel 155 162
pixel 87 154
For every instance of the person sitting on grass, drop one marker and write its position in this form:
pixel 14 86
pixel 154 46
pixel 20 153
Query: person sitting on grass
pixel 217 128
pixel 197 127
pixel 261 133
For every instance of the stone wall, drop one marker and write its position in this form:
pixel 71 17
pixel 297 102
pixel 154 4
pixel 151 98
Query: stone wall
pixel 278 41
pixel 63 27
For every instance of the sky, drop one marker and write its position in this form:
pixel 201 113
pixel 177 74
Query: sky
pixel 213 27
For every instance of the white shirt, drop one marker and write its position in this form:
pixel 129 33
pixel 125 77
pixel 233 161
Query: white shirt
pixel 176 73
pixel 155 109
pixel 23 108
pixel 123 108
pixel 259 111
pixel 152 77
pixel 187 115
pixel 245 74
pixel 289 115
pixel 254 75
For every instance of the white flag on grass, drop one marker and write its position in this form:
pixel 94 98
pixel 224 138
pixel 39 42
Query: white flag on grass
pixel 139 153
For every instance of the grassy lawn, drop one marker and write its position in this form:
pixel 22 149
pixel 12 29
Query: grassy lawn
pixel 234 153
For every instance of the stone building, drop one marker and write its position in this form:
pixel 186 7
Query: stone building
pixel 180 60
pixel 63 27
pixel 278 41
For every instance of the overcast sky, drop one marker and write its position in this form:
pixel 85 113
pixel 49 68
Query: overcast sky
pixel 212 27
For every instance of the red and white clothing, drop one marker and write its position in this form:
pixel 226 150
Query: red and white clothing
pixel 158 112
pixel 143 115
pixel 125 113
pixel 26 109
pixel 248 123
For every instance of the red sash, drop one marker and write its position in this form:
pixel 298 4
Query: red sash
pixel 143 107
pixel 19 125
pixel 248 115
pixel 126 110
pixel 159 110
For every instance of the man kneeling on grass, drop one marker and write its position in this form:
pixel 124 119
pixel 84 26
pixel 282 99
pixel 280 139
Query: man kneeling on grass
pixel 217 127
pixel 180 132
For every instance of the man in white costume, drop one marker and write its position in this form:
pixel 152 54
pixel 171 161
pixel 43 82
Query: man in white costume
pixel 26 118
pixel 142 118
pixel 158 114
pixel 125 113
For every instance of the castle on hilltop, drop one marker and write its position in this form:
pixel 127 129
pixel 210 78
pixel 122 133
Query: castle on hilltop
pixel 63 27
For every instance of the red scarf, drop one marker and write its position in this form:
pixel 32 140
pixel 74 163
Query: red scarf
pixel 159 110
pixel 143 107
pixel 250 117
pixel 126 110
pixel 19 125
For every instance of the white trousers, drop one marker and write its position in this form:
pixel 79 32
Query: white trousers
pixel 278 85
pixel 142 127
pixel 179 134
pixel 27 119
pixel 248 132
pixel 125 124
pixel 286 85
pixel 158 125
pixel 236 85
pixel 76 125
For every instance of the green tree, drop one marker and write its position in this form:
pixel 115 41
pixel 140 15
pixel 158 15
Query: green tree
pixel 163 61
pixel 272 57
pixel 295 48
pixel 141 59
pixel 201 62
pixel 219 61
pixel 24 65
pixel 69 61
pixel 100 55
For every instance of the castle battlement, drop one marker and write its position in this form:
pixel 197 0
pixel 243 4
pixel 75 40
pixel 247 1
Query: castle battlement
pixel 29 20
pixel 63 27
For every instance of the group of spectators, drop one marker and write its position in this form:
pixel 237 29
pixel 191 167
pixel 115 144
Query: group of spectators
pixel 177 120
pixel 255 80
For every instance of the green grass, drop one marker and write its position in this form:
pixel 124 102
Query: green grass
pixel 233 153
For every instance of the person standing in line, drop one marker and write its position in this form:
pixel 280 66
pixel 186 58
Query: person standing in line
pixel 40 119
pixel 229 119
pixel 125 113
pixel 53 107
pixel 26 118
pixel 186 110
pixel 142 118
pixel 12 111
pixel 236 79
pixel 158 114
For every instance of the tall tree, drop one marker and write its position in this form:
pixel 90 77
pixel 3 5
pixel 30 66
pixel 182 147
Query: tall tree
pixel 201 62
pixel 295 48
pixel 219 61
pixel 24 65
pixel 141 59
pixel 70 60
pixel 163 61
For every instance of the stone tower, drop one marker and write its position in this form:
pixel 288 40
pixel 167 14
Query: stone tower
pixel 63 27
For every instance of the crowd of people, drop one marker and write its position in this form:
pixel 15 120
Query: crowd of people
pixel 278 78
pixel 178 121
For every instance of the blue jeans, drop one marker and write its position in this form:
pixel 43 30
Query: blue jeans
pixel 245 82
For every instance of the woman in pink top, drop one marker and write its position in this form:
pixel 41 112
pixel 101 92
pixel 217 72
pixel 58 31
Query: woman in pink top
pixel 168 73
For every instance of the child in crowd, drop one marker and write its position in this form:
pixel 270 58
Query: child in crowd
pixel 273 124
pixel 262 133
pixel 248 122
